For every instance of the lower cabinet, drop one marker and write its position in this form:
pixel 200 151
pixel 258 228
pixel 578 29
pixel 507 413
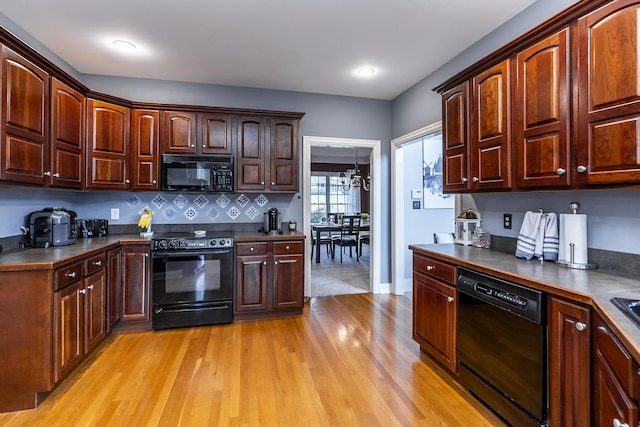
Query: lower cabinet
pixel 269 278
pixel 569 363
pixel 136 304
pixel 114 284
pixel 435 309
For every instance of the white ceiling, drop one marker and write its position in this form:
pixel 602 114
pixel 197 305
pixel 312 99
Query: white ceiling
pixel 297 45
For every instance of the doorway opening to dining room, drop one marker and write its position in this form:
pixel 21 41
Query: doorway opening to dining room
pixel 327 196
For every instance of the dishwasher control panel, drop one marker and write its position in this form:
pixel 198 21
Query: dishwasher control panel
pixel 505 296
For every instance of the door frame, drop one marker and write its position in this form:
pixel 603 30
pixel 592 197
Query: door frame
pixel 376 231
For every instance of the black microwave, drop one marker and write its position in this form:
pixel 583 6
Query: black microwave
pixel 182 172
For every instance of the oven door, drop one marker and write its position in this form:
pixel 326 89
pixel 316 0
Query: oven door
pixel 192 276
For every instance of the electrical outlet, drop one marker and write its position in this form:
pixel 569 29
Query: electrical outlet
pixel 506 221
pixel 115 213
pixel 416 204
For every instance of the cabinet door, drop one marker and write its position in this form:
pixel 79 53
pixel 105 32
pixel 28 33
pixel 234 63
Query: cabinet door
pixel 95 287
pixel 67 136
pixel 283 156
pixel 569 371
pixel 251 283
pixel 542 119
pixel 611 400
pixel 24 132
pixel 114 282
pixel 216 133
pixel 107 145
pixel 608 71
pixel 178 132
pixel 490 156
pixel 135 286
pixel 455 138
pixel 434 319
pixel 68 337
pixel 145 130
pixel 288 281
pixel 251 154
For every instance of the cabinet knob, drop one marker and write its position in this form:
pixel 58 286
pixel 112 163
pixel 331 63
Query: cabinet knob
pixel 276 263
pixel 251 249
pixel 464 180
pixel 98 263
pixel 618 423
pixel 581 169
pixel 450 299
pixel 581 326
pixel 264 263
pixel 273 183
pixel 127 181
pixel 56 175
pixel 262 182
pixel 70 274
pixel 431 267
pixel 561 171
pixel 90 287
pixel 154 182
pixel 83 291
pixel 47 173
pixel 475 179
pixel 193 145
pixel 287 247
pixel 204 146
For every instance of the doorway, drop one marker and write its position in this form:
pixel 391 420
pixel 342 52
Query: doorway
pixel 374 220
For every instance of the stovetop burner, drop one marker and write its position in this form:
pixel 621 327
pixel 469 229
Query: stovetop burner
pixel 191 241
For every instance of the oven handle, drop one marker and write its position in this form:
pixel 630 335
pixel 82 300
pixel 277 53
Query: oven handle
pixel 162 254
pixel 191 308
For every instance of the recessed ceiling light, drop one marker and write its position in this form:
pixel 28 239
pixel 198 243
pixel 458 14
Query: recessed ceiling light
pixel 124 45
pixel 365 72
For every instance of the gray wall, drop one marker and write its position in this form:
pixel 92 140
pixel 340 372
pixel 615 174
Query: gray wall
pixel 613 215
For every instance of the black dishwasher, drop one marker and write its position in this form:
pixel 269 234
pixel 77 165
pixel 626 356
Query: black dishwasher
pixel 502 346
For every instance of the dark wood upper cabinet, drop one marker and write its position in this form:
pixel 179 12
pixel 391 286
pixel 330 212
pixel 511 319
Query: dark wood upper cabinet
pixel 178 132
pixel 284 155
pixel 490 154
pixel 145 131
pixel 251 153
pixel 542 119
pixel 455 138
pixel 107 151
pixel 608 140
pixel 24 130
pixel 216 133
pixel 67 136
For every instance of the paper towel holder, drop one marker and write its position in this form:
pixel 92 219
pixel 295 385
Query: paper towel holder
pixel 574 206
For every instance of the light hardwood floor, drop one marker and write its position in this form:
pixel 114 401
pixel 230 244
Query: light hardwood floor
pixel 348 361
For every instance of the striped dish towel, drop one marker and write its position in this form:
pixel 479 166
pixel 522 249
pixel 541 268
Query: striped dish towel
pixel 530 233
pixel 551 242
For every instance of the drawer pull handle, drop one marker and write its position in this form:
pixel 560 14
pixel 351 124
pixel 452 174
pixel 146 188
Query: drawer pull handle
pixel 70 274
pixel 450 299
pixel 98 263
pixel 581 326
pixel 251 249
pixel 287 247
pixel 431 267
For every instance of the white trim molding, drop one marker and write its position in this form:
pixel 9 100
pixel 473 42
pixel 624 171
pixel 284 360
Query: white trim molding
pixel 376 223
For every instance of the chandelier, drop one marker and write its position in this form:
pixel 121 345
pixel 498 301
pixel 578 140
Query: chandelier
pixel 356 180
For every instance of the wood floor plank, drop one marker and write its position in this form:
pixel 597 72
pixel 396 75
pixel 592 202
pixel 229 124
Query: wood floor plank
pixel 348 361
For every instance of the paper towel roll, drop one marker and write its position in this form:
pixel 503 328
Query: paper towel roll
pixel 573 229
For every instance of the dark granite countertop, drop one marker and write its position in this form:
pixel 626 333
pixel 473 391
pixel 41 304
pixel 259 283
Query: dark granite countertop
pixel 592 287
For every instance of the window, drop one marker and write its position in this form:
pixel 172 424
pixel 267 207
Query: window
pixel 327 196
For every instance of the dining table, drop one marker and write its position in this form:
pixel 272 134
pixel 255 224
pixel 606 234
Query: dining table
pixel 323 227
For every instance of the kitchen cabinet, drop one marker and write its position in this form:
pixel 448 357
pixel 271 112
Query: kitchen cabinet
pixel 145 135
pixel 542 119
pixel 178 132
pixel 435 309
pixel 185 132
pixel 455 138
pixel 135 291
pixel 24 124
pixel 490 144
pixel 114 285
pixel 267 154
pixel 216 133
pixel 608 71
pixel 569 363
pixel 68 109
pixel 95 294
pixel 615 380
pixel 108 130
pixel 269 278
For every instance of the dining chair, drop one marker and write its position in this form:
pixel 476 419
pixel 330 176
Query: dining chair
pixel 349 236
pixel 326 238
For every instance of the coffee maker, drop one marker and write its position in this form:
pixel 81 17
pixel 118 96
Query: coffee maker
pixel 272 222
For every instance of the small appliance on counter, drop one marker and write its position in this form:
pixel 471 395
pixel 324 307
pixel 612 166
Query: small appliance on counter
pixel 272 222
pixel 53 226
pixel 92 227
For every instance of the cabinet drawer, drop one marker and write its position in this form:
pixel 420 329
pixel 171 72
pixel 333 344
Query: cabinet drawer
pixel 283 248
pixel 614 353
pixel 95 263
pixel 257 248
pixel 67 275
pixel 432 267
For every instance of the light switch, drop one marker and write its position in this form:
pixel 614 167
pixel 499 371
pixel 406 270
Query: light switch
pixel 115 213
pixel 416 204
